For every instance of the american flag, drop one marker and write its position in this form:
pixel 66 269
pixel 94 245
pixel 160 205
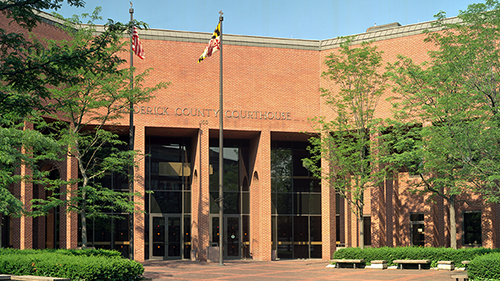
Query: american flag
pixel 136 44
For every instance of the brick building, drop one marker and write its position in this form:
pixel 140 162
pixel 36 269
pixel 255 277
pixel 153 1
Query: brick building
pixel 274 208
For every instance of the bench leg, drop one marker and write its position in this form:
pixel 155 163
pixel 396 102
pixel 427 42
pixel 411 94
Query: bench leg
pixel 419 266
pixel 354 265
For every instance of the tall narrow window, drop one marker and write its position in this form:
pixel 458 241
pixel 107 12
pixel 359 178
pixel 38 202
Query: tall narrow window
pixel 417 229
pixel 367 225
pixel 472 228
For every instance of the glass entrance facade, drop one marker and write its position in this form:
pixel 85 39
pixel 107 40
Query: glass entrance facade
pixel 236 197
pixel 296 203
pixel 168 205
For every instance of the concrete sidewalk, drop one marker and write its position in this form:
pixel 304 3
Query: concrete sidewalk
pixel 280 270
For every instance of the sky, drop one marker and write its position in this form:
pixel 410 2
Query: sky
pixel 299 19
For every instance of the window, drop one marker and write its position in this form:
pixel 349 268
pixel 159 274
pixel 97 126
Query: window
pixel 472 228
pixel 296 203
pixel 367 225
pixel 417 229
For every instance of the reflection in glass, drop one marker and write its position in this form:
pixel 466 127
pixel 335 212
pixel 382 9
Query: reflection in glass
pixel 296 203
pixel 472 228
pixel 417 229
pixel 174 236
pixel 166 202
pixel 168 175
pixel 233 236
pixel 285 238
pixel 158 236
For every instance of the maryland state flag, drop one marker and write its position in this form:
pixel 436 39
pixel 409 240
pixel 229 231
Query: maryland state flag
pixel 136 44
pixel 213 44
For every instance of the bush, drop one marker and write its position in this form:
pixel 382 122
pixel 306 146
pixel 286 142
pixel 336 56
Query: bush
pixel 485 267
pixel 413 253
pixel 74 264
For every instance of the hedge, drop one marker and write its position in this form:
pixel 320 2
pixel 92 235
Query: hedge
pixel 74 264
pixel 485 267
pixel 413 253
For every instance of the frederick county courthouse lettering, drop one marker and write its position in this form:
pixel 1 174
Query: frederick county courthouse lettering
pixel 197 112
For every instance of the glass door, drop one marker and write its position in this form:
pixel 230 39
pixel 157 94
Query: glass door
pixel 165 234
pixel 174 237
pixel 232 236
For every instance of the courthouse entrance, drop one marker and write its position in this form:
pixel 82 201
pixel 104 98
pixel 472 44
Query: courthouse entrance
pixel 166 237
pixel 236 198
pixel 234 242
pixel 168 203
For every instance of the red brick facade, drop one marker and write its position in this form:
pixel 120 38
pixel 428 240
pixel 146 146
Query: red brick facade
pixel 271 89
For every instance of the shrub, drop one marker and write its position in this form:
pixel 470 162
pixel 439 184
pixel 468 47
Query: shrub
pixel 413 253
pixel 74 264
pixel 486 267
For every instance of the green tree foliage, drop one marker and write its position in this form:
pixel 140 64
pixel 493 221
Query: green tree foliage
pixel 454 97
pixel 86 111
pixel 18 148
pixel 348 141
pixel 75 91
pixel 25 78
pixel 22 91
pixel 469 55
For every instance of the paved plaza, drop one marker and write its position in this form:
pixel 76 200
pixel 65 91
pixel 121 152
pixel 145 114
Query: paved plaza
pixel 280 270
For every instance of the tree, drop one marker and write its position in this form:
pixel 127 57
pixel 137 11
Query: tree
pixel 22 91
pixel 87 109
pixel 455 98
pixel 469 55
pixel 20 147
pixel 80 88
pixel 427 151
pixel 347 142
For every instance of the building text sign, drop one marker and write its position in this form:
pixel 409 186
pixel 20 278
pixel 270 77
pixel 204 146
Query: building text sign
pixel 198 112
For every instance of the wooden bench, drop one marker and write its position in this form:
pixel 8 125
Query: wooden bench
pixel 36 278
pixel 418 262
pixel 340 262
pixel 465 263
pixel 460 277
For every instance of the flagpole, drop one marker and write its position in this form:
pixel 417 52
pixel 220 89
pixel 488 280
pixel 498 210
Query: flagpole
pixel 131 135
pixel 221 153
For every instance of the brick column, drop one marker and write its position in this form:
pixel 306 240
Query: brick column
pixel 437 228
pixel 396 211
pixel 378 215
pixel 496 226
pixel 389 213
pixel 254 198
pixel 429 226
pixel 487 226
pixel 200 196
pixel 68 233
pixel 260 197
pixel 351 225
pixel 23 226
pixel 140 187
pixel 328 215
pixel 376 204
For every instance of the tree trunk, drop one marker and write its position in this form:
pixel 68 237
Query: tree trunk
pixel 361 231
pixel 453 224
pixel 84 198
pixel 84 225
